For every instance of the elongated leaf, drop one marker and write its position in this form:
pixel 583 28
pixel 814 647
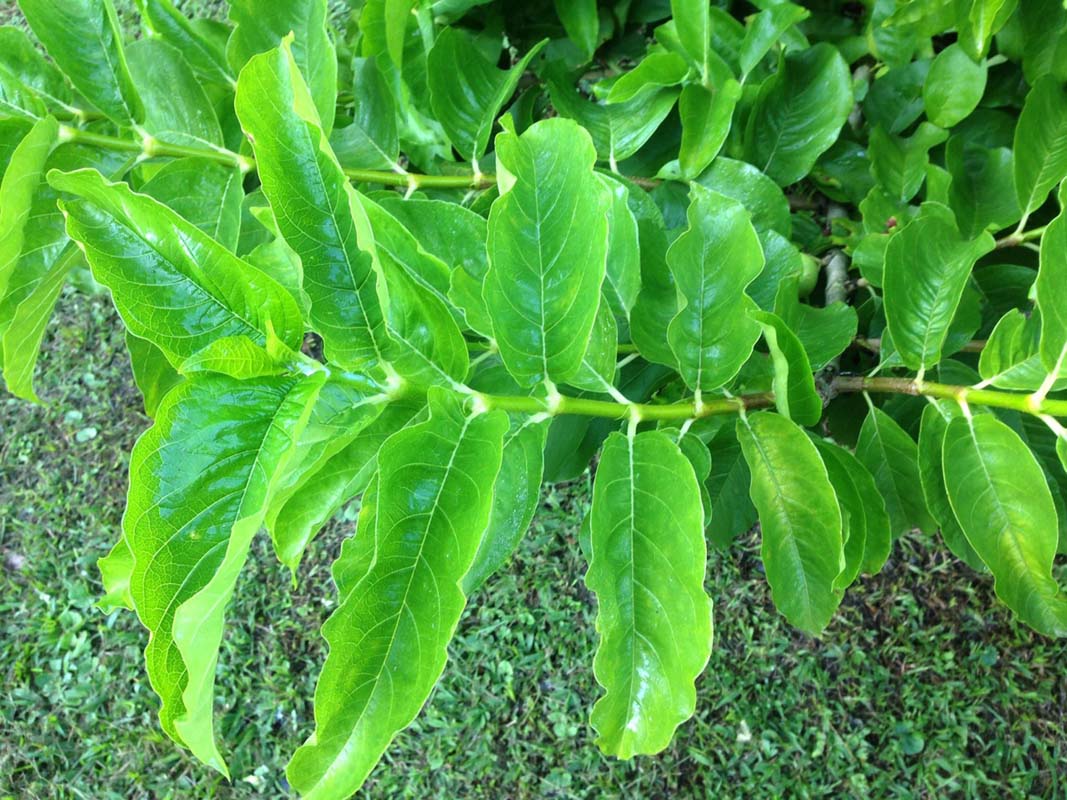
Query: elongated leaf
pixel 581 21
pixel 692 22
pixel 1051 290
pixel 152 372
pixel 467 91
pixel 1011 358
pixel 765 201
pixel 1041 143
pixel 654 71
pixel 205 193
pixel 712 263
pixel 953 87
pixel 706 118
pixel 515 497
pixel 892 457
pixel 1004 506
pixel 22 60
pixel 795 395
pixel 312 203
pixel 167 22
pixel 647 568
pixel 622 281
pixel 199 290
pixel 259 27
pixel 200 480
pixel 981 192
pixel 176 108
pixel 899 163
pixel 657 299
pixel 799 112
pixel 547 245
pixel 371 140
pixel 927 265
pixel 935 421
pixel 400 606
pixel 802 549
pixel 764 31
pixel 83 37
pixel 732 512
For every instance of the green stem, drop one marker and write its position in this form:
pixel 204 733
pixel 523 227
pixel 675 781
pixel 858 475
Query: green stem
pixel 1017 239
pixel 1013 401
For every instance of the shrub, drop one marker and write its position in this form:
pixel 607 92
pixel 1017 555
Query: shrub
pixel 802 267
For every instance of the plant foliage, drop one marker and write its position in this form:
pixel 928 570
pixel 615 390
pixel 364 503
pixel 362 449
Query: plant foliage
pixel 440 252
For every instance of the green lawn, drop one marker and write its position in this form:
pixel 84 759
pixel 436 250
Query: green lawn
pixel 922 687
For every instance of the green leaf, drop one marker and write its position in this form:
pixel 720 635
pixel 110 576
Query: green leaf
pixel 165 21
pixel 732 512
pixel 313 204
pixel 892 457
pixel 18 101
pixel 657 299
pixel 927 265
pixel 794 387
pixel 764 31
pixel 899 163
pixel 981 192
pixel 869 539
pixel 765 201
pixel 654 71
pixel 1011 358
pixel 932 430
pixel 21 60
pixel 692 23
pixel 236 356
pixel 978 20
pixel 547 251
pixel 467 91
pixel 712 263
pixel 954 86
pixel 84 39
pixel 1041 143
pixel 1004 506
pixel 647 569
pixel 391 17
pixel 400 595
pixel 802 547
pixel 581 21
pixel 515 497
pixel 824 332
pixel 201 478
pixel 172 284
pixel 176 108
pixel 895 99
pixel 706 119
pixel 152 372
pixel 371 141
pixel 115 571
pixel 799 112
pixel 205 193
pixel 1051 291
pixel 259 27
pixel 622 280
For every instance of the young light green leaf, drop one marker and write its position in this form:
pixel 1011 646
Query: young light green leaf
pixel 978 20
pixel 646 568
pixel 84 39
pixel 21 60
pixel 548 237
pixel 400 606
pixel 706 118
pixel 927 265
pixel 200 480
pixel 312 203
pixel 802 547
pixel 165 21
pixel 1004 506
pixel 892 457
pixel 953 87
pixel 371 141
pixel 795 395
pixel 467 91
pixel 1051 291
pixel 764 30
pixel 692 25
pixel 259 27
pixel 712 263
pixel 1040 143
pixel 654 71
pixel 176 108
pixel 205 193
pixel 799 112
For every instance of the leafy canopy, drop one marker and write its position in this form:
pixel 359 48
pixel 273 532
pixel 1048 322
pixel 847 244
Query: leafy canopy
pixel 797 266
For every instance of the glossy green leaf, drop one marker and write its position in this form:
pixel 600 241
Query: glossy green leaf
pixel 1051 291
pixel 201 478
pixel 515 497
pixel 581 21
pixel 654 71
pixel 706 119
pixel 400 597
pixel 1004 506
pixel 165 21
pixel 467 91
pixel 1011 358
pixel 765 201
pixel 764 31
pixel 895 100
pixel 259 27
pixel 892 457
pixel 18 101
pixel 795 395
pixel 152 372
pixel 712 263
pixel 934 426
pixel 205 193
pixel 802 547
pixel 692 23
pixel 953 87
pixel 371 141
pixel 927 265
pixel 547 251
pixel 1041 143
pixel 981 192
pixel 647 569
pixel 657 299
pixel 21 60
pixel 824 332
pixel 176 108
pixel 199 290
pixel 978 20
pixel 390 20
pixel 312 203
pixel 84 39
pixel 799 112
pixel 899 163
pixel 622 279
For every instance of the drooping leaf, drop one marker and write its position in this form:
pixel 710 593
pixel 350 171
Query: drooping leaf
pixel 764 31
pixel 84 39
pixel 1004 506
pixel 371 141
pixel 312 203
pixel 712 263
pixel 892 457
pixel 657 298
pixel 802 546
pixel 953 86
pixel 467 91
pixel 927 265
pixel 732 512
pixel 795 395
pixel 622 280
pixel 259 27
pixel 400 597
pixel 1051 291
pixel 799 112
pixel 165 21
pixel 547 251
pixel 1040 143
pixel 199 290
pixel 706 118
pixel 647 568
pixel 201 478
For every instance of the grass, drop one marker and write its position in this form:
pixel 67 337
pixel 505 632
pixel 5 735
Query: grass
pixel 922 687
